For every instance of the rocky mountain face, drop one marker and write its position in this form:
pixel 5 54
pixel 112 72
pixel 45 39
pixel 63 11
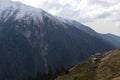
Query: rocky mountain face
pixel 115 40
pixel 31 40
pixel 107 69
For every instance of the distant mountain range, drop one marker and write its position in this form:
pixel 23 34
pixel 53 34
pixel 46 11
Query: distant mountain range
pixel 31 40
pixel 115 40
pixel 107 69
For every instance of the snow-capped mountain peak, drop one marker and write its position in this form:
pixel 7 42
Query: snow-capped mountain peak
pixel 4 4
pixel 24 12
pixel 22 9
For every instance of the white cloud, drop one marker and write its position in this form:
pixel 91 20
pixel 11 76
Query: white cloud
pixel 118 24
pixel 111 1
pixel 63 2
pixel 105 26
pixel 55 11
pixel 35 3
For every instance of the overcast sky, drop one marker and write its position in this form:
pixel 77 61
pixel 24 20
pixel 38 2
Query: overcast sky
pixel 101 15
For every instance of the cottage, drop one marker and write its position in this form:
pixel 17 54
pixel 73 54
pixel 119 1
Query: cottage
pixel 96 58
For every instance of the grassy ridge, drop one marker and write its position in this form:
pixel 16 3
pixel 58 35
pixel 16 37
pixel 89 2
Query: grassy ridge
pixel 83 71
pixel 107 69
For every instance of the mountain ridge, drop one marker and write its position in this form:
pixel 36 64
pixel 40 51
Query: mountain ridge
pixel 107 69
pixel 33 41
pixel 112 39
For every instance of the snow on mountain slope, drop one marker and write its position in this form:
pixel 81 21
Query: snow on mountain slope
pixel 4 4
pixel 23 10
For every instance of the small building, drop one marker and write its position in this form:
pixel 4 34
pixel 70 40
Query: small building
pixel 97 58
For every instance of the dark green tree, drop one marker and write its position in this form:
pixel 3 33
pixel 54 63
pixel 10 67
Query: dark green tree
pixel 50 73
pixel 39 76
pixel 61 69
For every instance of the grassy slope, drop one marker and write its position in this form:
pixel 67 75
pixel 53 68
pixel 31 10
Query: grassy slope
pixel 82 71
pixel 108 69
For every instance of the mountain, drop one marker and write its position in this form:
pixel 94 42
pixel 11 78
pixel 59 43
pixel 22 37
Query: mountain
pixel 115 40
pixel 107 69
pixel 32 39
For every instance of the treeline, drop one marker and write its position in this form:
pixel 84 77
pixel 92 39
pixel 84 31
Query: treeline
pixel 50 75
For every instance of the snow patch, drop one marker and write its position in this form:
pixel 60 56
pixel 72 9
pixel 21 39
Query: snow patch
pixel 22 9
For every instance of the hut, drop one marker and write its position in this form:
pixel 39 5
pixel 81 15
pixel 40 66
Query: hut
pixel 96 58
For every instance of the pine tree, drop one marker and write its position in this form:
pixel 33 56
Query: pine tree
pixel 62 69
pixel 50 73
pixel 38 76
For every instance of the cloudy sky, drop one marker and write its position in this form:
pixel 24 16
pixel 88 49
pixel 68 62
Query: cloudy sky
pixel 101 15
